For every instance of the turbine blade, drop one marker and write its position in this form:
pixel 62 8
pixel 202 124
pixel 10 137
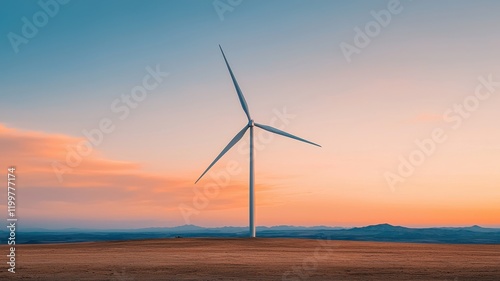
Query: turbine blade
pixel 280 132
pixel 238 90
pixel 230 144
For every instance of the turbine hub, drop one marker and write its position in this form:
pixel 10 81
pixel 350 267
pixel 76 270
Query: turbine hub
pixel 250 123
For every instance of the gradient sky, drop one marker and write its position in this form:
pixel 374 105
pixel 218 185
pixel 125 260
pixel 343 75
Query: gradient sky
pixel 286 55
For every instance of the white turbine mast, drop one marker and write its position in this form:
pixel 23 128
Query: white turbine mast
pixel 251 124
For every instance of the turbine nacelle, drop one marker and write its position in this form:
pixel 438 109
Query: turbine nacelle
pixel 251 123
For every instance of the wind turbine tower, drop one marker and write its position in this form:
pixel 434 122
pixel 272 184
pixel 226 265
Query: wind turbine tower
pixel 250 125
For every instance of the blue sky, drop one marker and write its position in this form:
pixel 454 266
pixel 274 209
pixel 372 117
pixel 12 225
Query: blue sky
pixel 86 52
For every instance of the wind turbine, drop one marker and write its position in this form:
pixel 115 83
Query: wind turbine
pixel 251 124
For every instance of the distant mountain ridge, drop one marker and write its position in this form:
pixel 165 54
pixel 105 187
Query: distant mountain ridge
pixel 182 228
pixel 380 232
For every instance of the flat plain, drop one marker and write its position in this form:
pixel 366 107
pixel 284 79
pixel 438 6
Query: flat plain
pixel 253 259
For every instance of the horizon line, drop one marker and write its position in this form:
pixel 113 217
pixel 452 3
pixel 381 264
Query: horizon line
pixel 261 226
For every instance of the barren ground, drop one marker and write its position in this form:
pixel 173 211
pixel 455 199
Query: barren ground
pixel 253 259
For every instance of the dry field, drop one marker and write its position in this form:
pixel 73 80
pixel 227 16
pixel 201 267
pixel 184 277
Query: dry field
pixel 253 259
